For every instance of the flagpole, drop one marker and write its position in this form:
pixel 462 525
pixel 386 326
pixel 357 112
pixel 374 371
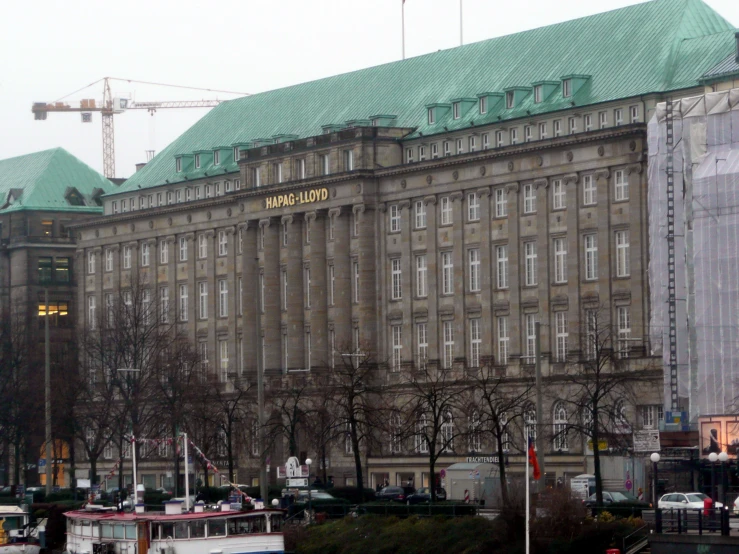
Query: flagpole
pixel 526 432
pixel 402 22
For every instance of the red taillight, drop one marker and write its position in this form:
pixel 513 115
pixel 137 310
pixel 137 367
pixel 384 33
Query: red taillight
pixel 401 497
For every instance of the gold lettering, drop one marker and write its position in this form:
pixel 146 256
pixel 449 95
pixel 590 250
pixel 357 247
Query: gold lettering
pixel 292 199
pixel 269 203
pixel 324 194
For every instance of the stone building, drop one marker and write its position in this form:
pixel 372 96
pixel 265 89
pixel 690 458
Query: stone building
pixel 430 210
pixel 41 195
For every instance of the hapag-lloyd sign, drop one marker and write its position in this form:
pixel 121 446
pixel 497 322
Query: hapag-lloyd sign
pixel 297 198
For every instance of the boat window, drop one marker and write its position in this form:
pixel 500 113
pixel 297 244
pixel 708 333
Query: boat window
pixel 95 528
pixel 258 524
pixel 180 530
pixel 197 529
pixel 239 526
pixel 106 531
pixel 69 525
pixel 118 531
pixel 166 530
pixel 217 528
pixel 85 523
pixel 276 523
pixel 131 532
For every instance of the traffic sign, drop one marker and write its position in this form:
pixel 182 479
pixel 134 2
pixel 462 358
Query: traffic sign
pixel 442 473
pixel 629 485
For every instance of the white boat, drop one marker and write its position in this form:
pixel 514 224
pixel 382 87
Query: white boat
pixel 16 536
pixel 96 530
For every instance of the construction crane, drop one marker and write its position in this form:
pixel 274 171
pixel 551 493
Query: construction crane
pixel 113 105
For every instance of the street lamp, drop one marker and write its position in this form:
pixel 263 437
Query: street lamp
pixel 308 462
pixel 713 458
pixel 655 460
pixel 723 457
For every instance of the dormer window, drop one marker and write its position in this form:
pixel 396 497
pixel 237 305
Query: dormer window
pixel 374 122
pixel 537 94
pixel 197 161
pixel 483 104
pixel 432 116
pixel 216 157
pixel 178 164
pixel 509 99
pixel 236 153
pixel 455 110
pixel 567 88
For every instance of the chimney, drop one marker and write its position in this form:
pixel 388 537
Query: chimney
pixel 140 166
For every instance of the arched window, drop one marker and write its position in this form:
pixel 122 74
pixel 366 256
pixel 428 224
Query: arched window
pixel 447 432
pixel 422 445
pixel 475 441
pixel 395 433
pixel 621 423
pixel 559 427
pixel 529 419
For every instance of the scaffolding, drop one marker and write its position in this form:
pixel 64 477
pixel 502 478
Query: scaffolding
pixel 694 266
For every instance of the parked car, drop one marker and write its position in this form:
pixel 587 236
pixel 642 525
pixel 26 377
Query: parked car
pixel 314 495
pixel 398 494
pixel 619 502
pixel 684 501
pixel 424 495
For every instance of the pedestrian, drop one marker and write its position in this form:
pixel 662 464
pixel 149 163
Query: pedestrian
pixel 640 494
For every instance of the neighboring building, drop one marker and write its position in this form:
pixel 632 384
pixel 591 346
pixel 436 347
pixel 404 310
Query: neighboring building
pixel 430 210
pixel 41 194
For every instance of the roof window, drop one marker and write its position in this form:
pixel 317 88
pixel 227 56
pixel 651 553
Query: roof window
pixel 483 104
pixel 509 99
pixel 216 157
pixel 567 88
pixel 537 94
pixel 572 83
pixel 455 110
pixel 432 115
pixel 197 161
pixel 178 164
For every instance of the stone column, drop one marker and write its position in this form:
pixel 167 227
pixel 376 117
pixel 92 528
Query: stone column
pixel 171 269
pixel 271 318
pixel 365 310
pixel 638 251
pixel 318 294
pixel 487 259
pixel 210 269
pixel 249 276
pixel 432 274
pixel 515 270
pixel 192 298
pixel 233 298
pixel 544 276
pixel 341 311
pixel 574 253
pixel 603 223
pixel 406 276
pixel 459 259
pixel 295 302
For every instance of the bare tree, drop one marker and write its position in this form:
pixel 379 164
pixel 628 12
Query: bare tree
pixel 322 424
pixel 432 397
pixel 499 402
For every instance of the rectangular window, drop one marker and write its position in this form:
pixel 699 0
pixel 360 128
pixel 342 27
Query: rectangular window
pixel 501 203
pixel 183 302
pixel 447 269
pixel 513 135
pixel 485 141
pixel 256 177
pixel 178 193
pixel 163 252
pixel 592 343
pixel 560 260
pixel 164 304
pixel 421 153
pixel 434 151
pixel 501 262
pixel 421 276
pixel 527 134
pixel 331 284
pixel 44 269
pixel 529 199
pixel 447 148
pixel 420 211
pixel 236 154
pixel 588 190
pixel 183 249
pixel 537 94
pixel 634 114
pixel 202 246
pixel 90 262
pixel 483 104
pixel 567 88
pixel 602 120
pixel 455 110
pixel 448 332
pixel 307 287
pixel 460 146
pixel 222 243
pixel 509 99
pixel 223 359
pixel 203 299
pixel 572 125
pixel 591 257
pixel 145 305
pixel 355 274
pixel 109 259
pixel 394 218
pixel 557 127
pixel 422 339
pixel 409 155
pixel 473 207
pixel 115 206
pixel 61 270
pixel 503 340
pixel 498 139
pixel 621 185
pixel 144 254
pixel 301 168
pixel 126 257
pixel 530 260
pixel 197 161
pixel 542 130
pixel 588 122
pixel 562 335
pixel 624 331
pixel 348 160
pixel 472 143
pixel 446 210
pixel 618 116
pixel 397 333
pixel 91 313
pixel 124 206
pixel 277 172
pixel 323 160
pixel 558 195
pixel 397 284
pixel 474 262
pixel 222 298
pixel 622 253
pixel 431 116
pixel 475 343
pixel 530 338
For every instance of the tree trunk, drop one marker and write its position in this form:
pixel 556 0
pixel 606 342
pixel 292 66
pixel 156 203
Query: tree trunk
pixel 432 476
pixel 501 472
pixel 596 463
pixel 229 452
pixel 93 470
pixel 17 463
pixel 357 460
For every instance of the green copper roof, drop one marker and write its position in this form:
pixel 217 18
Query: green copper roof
pixel 47 180
pixel 652 47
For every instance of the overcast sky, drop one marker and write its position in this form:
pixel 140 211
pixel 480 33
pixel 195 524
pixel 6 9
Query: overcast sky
pixel 51 48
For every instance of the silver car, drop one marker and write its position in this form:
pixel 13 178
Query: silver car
pixel 684 501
